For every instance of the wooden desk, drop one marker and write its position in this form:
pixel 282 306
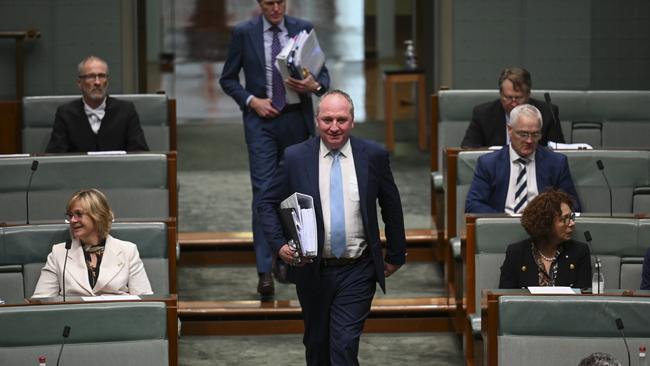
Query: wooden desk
pixel 10 109
pixel 392 77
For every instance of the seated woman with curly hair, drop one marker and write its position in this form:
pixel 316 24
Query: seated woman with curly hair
pixel 549 257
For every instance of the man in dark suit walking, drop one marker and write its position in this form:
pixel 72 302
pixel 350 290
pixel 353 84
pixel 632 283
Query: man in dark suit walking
pixel 506 180
pixel 96 121
pixel 346 176
pixel 488 125
pixel 270 124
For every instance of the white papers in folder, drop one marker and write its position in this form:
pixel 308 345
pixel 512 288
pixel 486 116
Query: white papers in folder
pixel 304 218
pixel 302 52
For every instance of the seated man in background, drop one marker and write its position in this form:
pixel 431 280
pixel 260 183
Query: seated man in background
pixel 489 120
pixel 645 274
pixel 506 180
pixel 96 122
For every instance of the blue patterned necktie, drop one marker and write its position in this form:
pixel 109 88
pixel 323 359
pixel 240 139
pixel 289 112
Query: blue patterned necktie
pixel 337 210
pixel 278 98
pixel 521 193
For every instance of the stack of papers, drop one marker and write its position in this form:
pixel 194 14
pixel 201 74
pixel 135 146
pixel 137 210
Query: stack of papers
pixel 300 57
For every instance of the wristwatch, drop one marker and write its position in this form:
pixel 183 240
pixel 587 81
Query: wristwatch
pixel 319 91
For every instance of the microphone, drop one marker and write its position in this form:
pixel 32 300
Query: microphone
pixel 29 185
pixel 601 167
pixel 547 97
pixel 68 245
pixel 619 325
pixel 66 333
pixel 597 263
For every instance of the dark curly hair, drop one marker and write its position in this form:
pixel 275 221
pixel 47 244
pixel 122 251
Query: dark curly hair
pixel 540 214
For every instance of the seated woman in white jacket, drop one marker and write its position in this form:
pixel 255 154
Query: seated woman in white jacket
pixel 97 263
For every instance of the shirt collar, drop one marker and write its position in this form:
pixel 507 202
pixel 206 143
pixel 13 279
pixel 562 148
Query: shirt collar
pixel 514 156
pixel 90 110
pixel 346 149
pixel 268 25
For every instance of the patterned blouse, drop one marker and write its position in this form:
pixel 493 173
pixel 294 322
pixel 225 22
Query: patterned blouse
pixel 544 278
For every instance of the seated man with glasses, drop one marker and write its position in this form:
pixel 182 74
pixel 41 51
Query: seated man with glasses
pixel 96 121
pixel 506 180
pixel 488 125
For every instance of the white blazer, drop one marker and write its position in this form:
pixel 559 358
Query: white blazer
pixel 121 271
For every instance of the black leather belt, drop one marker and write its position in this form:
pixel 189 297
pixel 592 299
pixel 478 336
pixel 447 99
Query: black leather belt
pixel 340 262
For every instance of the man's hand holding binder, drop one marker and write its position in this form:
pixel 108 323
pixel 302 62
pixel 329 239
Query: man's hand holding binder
pixel 299 224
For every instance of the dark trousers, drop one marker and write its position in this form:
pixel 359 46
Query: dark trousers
pixel 266 140
pixel 334 308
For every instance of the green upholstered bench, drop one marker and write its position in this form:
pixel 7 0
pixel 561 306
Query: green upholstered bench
pixel 138 186
pixel 157 117
pixel 624 116
pixel 24 249
pixel 561 330
pixel 619 242
pixel 111 333
pixel 628 173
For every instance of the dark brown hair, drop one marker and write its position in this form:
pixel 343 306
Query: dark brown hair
pixel 519 77
pixel 540 214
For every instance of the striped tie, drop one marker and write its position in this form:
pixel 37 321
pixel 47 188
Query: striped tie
pixel 278 99
pixel 521 193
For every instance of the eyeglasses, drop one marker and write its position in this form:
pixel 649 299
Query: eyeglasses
pixel 76 214
pixel 518 99
pixel 93 77
pixel 569 217
pixel 526 135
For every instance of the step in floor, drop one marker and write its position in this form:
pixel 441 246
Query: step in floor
pixel 239 282
pixel 414 349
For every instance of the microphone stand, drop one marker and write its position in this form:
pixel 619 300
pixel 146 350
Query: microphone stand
pixel 601 167
pixel 29 185
pixel 68 245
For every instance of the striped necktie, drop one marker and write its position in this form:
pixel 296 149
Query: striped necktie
pixel 278 99
pixel 337 209
pixel 521 191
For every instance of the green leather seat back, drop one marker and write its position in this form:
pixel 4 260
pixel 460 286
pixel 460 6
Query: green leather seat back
pixel 127 333
pixel 625 170
pixel 467 161
pixel 493 235
pixel 571 326
pixel 135 184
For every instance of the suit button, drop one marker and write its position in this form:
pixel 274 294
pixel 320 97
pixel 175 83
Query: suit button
pixel 523 268
pixel 572 266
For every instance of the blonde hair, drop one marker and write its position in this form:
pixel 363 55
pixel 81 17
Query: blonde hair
pixel 95 205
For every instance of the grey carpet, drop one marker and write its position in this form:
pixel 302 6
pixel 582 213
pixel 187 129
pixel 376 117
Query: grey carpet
pixel 440 349
pixel 238 282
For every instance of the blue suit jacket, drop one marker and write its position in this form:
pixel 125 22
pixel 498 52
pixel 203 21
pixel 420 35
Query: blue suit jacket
pixel 490 184
pixel 298 172
pixel 645 274
pixel 246 52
